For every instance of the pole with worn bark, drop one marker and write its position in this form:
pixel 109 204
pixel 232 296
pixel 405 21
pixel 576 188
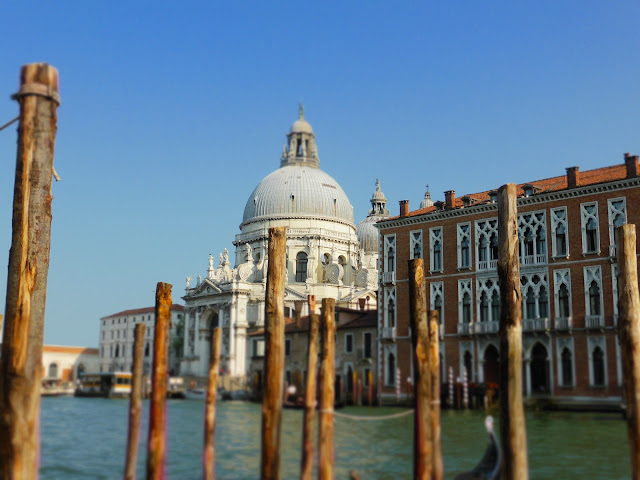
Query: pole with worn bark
pixel 513 432
pixel 629 335
pixel 422 435
pixel 135 403
pixel 209 453
pixel 21 359
pixel 274 355
pixel 310 393
pixel 434 371
pixel 327 394
pixel 157 439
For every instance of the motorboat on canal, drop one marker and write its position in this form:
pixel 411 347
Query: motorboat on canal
pixel 107 385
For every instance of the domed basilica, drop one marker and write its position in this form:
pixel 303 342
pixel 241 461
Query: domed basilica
pixel 327 256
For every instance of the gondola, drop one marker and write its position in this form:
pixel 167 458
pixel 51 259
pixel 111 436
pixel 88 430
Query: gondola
pixel 489 466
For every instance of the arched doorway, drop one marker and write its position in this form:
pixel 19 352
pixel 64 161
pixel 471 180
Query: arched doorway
pixel 491 367
pixel 539 369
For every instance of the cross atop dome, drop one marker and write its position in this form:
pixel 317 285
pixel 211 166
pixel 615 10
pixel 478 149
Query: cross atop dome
pixel 301 145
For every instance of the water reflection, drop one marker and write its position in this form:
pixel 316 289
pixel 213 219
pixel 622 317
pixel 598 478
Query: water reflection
pixel 85 439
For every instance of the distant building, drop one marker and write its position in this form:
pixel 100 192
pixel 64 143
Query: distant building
pixel 116 339
pixel 355 351
pixel 62 364
pixel 568 283
pixel 327 256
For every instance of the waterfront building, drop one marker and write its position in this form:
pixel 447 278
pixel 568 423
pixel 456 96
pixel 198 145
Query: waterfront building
pixel 568 283
pixel 62 364
pixel 116 339
pixel 355 351
pixel 327 256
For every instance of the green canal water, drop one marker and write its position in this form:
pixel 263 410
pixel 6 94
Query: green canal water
pixel 84 438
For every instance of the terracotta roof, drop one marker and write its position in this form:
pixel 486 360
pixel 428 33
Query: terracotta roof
pixel 136 311
pixel 63 349
pixel 546 185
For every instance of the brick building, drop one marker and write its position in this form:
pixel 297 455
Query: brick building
pixel 568 283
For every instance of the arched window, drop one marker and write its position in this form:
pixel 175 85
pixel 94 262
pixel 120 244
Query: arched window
pixel 53 370
pixel 484 307
pixel 391 314
pixel 391 259
pixel 563 302
pixel 597 357
pixel 391 369
pixel 301 267
pixel 592 235
pixel 528 242
pixel 417 250
pixel 493 245
pixel 543 303
pixel 437 256
pixel 567 368
pixel 482 249
pixel 594 298
pixel 541 241
pixel 530 307
pixel 466 308
pixel 464 253
pixel 495 306
pixel 561 240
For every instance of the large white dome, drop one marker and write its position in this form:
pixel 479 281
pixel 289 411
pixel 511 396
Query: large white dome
pixel 296 191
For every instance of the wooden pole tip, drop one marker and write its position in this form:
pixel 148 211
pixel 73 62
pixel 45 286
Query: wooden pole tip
pixel 39 79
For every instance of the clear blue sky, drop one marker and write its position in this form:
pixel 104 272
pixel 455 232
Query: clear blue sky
pixel 172 112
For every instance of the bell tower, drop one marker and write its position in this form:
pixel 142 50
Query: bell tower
pixel 301 144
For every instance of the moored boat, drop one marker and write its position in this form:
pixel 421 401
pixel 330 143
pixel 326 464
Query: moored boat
pixel 107 385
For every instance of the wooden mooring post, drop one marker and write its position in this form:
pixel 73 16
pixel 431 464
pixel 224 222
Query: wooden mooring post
pixel 513 434
pixel 135 404
pixel 21 363
pixel 422 434
pixel 327 394
pixel 629 335
pixel 209 453
pixel 157 439
pixel 434 371
pixel 310 394
pixel 274 355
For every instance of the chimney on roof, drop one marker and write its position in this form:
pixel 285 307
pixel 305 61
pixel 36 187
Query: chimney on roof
pixel 573 177
pixel 450 199
pixel 631 162
pixel 404 208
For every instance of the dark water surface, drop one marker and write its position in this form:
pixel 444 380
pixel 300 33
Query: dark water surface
pixel 85 438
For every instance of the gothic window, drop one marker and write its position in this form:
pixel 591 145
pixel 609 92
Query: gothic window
pixel 391 307
pixel 437 299
pixel 416 244
pixel 597 361
pixel 435 246
pixel 562 291
pixel 590 235
pixel 464 301
pixel 533 238
pixel 486 244
pixel 301 267
pixel 593 290
pixel 567 367
pixel 390 373
pixel 390 253
pixel 594 298
pixel 543 302
pixel 535 302
pixel 597 357
pixel 617 217
pixel 484 307
pixel 530 310
pixel 559 242
pixel 464 245
pixel 495 306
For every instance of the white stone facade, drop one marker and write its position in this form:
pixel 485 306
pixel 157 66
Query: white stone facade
pixel 324 257
pixel 64 364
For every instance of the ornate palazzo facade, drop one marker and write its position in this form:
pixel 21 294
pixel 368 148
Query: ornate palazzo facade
pixel 327 256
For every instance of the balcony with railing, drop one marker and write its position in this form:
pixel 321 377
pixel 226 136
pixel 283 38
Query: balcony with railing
pixel 535 324
pixel 486 327
pixel 563 323
pixel 389 277
pixel 539 259
pixel 464 328
pixel 388 333
pixel 594 321
pixel 487 264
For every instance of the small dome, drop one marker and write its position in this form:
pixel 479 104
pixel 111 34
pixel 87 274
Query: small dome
pixel 368 234
pixel 296 191
pixel 426 202
pixel 301 126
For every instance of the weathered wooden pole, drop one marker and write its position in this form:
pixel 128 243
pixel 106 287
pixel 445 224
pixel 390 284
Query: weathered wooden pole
pixel 156 441
pixel 306 470
pixel 434 371
pixel 327 394
pixel 422 434
pixel 21 364
pixel 209 453
pixel 274 355
pixel 513 432
pixel 629 335
pixel 135 404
